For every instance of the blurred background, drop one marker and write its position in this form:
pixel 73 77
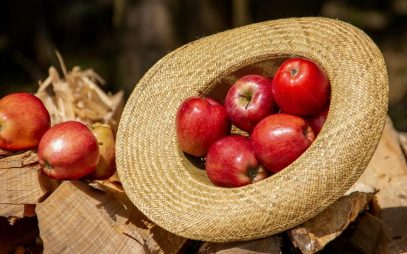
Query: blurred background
pixel 122 39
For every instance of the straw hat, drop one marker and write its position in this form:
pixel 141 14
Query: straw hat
pixel 178 196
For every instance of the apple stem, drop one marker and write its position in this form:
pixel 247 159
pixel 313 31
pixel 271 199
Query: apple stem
pixel 253 173
pixel 248 99
pixel 294 72
pixel 47 166
pixel 305 131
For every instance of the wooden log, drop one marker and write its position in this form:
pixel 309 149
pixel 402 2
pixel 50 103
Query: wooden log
pixel 17 211
pixel 22 182
pixel 387 173
pixel 388 161
pixel 269 245
pixel 390 205
pixel 369 236
pixel 403 141
pixel 98 222
pixel 78 219
pixel 155 238
pixel 314 234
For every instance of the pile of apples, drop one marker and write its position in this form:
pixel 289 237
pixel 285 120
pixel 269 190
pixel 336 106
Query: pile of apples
pixel 282 116
pixel 66 151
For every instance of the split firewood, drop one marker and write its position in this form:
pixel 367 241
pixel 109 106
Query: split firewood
pixel 403 141
pixel 13 212
pixel 22 183
pixel 387 173
pixel 269 245
pixel 390 205
pixel 155 239
pixel 314 234
pixel 98 222
pixel 387 163
pixel 369 236
pixel 78 96
pixel 76 219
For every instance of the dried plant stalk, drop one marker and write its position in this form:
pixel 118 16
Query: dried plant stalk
pixel 77 96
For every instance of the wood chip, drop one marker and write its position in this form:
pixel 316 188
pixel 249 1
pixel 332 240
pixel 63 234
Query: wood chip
pixel 18 160
pixel 314 234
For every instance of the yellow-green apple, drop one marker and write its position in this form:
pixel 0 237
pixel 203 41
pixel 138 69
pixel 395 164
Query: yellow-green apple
pixel 199 123
pixel 68 151
pixel 280 139
pixel 317 121
pixel 300 87
pixel 23 121
pixel 249 100
pixel 106 166
pixel 231 162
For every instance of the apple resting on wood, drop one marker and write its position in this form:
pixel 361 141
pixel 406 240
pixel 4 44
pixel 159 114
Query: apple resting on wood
pixel 23 121
pixel 199 123
pixel 280 139
pixel 68 151
pixel 106 166
pixel 249 100
pixel 231 162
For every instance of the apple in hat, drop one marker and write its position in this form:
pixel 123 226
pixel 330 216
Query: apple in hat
pixel 199 123
pixel 231 162
pixel 23 121
pixel 249 100
pixel 317 121
pixel 300 87
pixel 68 151
pixel 280 139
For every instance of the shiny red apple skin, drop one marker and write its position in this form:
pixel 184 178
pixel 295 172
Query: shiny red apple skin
pixel 300 87
pixel 106 166
pixel 199 123
pixel 249 100
pixel 280 139
pixel 23 121
pixel 68 151
pixel 317 121
pixel 231 162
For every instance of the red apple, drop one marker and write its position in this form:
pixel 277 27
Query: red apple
pixel 300 87
pixel 68 151
pixel 23 121
pixel 231 162
pixel 317 121
pixel 280 139
pixel 106 166
pixel 249 100
pixel 199 123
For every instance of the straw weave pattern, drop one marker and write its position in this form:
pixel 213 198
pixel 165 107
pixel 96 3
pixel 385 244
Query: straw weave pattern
pixel 171 192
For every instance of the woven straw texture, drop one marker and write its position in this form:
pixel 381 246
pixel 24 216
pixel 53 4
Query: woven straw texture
pixel 177 196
